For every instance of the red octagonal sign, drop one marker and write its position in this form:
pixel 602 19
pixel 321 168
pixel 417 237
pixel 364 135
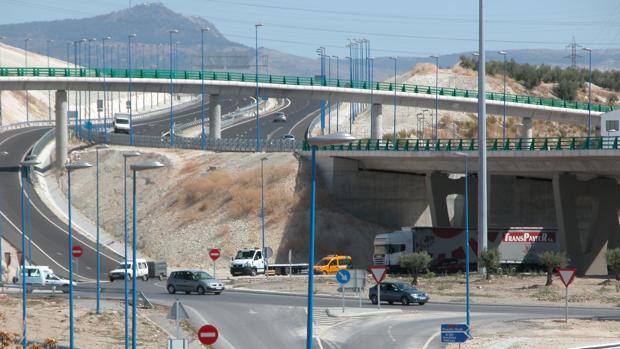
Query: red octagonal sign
pixel 214 253
pixel 77 251
pixel 207 334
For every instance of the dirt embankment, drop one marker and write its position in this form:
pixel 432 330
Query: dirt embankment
pixel 202 200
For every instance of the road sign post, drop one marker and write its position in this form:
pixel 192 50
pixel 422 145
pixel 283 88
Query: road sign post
pixel 567 275
pixel 343 277
pixel 177 312
pixel 208 334
pixel 378 273
pixel 77 252
pixel 214 254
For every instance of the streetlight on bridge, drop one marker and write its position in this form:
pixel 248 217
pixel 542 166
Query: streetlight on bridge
pixel 172 31
pixel 258 145
pixel 435 123
pixel 203 135
pixel 131 127
pixel 27 92
pixel 589 50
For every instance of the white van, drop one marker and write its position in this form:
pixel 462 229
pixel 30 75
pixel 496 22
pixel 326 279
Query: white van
pixel 122 123
pixel 142 270
pixel 41 275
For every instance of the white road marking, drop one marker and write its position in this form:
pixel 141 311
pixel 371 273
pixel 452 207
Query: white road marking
pixel 313 114
pixel 318 341
pixel 272 132
pixel 252 311
pixel 390 334
pixel 428 342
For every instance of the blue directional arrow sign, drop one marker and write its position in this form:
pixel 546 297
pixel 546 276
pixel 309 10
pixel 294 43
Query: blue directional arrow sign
pixel 454 328
pixel 343 276
pixel 454 337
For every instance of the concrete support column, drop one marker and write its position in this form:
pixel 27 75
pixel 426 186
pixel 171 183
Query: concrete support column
pixel 376 121
pixel 61 128
pixel 527 128
pixel 215 117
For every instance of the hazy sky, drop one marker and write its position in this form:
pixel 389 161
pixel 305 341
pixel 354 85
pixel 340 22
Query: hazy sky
pixel 395 27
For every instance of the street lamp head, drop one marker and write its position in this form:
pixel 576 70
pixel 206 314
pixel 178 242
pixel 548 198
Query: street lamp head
pixel 258 25
pixel 475 54
pixel 102 146
pixel 131 154
pixel 433 56
pixel 173 31
pixel 72 166
pixel 27 39
pixel 146 165
pixel 587 49
pixel 330 139
pixel 50 41
pixel 83 40
pixel 502 53
pixel 132 35
pixel 92 39
pixel 106 38
pixel 263 159
pixel 205 29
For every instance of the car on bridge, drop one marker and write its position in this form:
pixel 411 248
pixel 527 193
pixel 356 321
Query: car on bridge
pixel 397 292
pixel 288 137
pixel 280 117
pixel 190 281
pixel 122 123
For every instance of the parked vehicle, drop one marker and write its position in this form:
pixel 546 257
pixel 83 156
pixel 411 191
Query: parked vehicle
pixel 519 246
pixel 190 281
pixel 142 270
pixel 158 269
pixel 330 265
pixel 122 123
pixel 40 275
pixel 397 292
pixel 280 117
pixel 288 137
pixel 249 261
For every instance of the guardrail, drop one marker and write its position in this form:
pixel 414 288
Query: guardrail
pixel 494 144
pixel 294 80
pixel 24 124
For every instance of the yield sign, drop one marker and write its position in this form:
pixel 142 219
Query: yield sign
pixel 378 273
pixel 567 275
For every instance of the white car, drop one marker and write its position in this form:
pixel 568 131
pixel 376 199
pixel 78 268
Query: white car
pixel 288 137
pixel 280 117
pixel 40 275
pixel 142 270
pixel 122 123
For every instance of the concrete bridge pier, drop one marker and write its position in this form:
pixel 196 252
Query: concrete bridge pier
pixel 376 121
pixel 526 131
pixel 61 128
pixel 215 117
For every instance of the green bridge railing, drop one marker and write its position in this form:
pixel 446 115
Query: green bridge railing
pixel 495 144
pixel 294 80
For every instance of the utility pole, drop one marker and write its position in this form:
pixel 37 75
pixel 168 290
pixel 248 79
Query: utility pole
pixel 573 46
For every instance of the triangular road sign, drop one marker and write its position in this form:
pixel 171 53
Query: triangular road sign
pixel 177 312
pixel 378 273
pixel 567 275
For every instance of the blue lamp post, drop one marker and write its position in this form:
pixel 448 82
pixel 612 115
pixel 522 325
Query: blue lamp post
pixel 589 50
pixel 2 154
pixel 435 123
pixel 351 85
pixel 25 165
pixel 315 142
pixel 257 92
pixel 27 93
pixel 72 167
pixel 126 155
pixel 203 135
pixel 173 31
pixel 141 166
pixel 97 148
pixel 262 211
pixel 27 182
pixel 321 52
pixel 131 132
pixel 49 92
pixel 394 135
pixel 338 85
pixel 467 304
pixel 106 109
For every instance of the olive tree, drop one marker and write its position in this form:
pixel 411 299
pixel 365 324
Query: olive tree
pixel 612 256
pixel 414 262
pixel 490 259
pixel 552 260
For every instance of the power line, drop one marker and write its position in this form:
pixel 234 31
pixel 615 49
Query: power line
pixel 573 46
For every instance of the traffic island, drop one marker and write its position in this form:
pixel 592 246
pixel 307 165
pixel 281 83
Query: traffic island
pixel 358 312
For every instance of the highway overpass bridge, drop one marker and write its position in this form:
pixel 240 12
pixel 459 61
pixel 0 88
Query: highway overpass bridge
pixel 230 83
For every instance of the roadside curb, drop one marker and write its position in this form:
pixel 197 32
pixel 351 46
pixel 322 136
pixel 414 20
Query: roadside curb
pixel 337 312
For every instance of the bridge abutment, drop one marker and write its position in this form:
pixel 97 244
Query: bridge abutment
pixel 61 128
pixel 376 121
pixel 215 117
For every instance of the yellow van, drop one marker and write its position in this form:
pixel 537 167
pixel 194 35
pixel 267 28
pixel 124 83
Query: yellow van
pixel 329 265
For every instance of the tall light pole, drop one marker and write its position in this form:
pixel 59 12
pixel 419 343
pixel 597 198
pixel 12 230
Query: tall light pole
pixel 351 83
pixel 262 210
pixel 482 142
pixel 131 132
pixel 337 83
pixel 466 179
pixel 126 155
pixel 2 154
pixel 72 167
pixel 106 108
pixel 49 93
pixel 141 166
pixel 589 50
pixel 315 142
pixel 503 53
pixel 436 121
pixel 173 31
pixel 257 92
pixel 27 92
pixel 24 166
pixel 28 183
pixel 394 138
pixel 1 39
pixel 89 105
pixel 98 308
pixel 203 138
pixel 321 52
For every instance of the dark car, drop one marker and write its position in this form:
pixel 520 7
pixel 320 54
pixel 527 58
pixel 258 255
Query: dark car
pixel 398 292
pixel 190 281
pixel 448 266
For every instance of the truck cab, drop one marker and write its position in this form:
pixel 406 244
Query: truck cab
pixel 122 123
pixel 142 270
pixel 247 261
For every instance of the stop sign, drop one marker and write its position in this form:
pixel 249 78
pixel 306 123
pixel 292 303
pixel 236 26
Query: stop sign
pixel 207 334
pixel 214 253
pixel 77 251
